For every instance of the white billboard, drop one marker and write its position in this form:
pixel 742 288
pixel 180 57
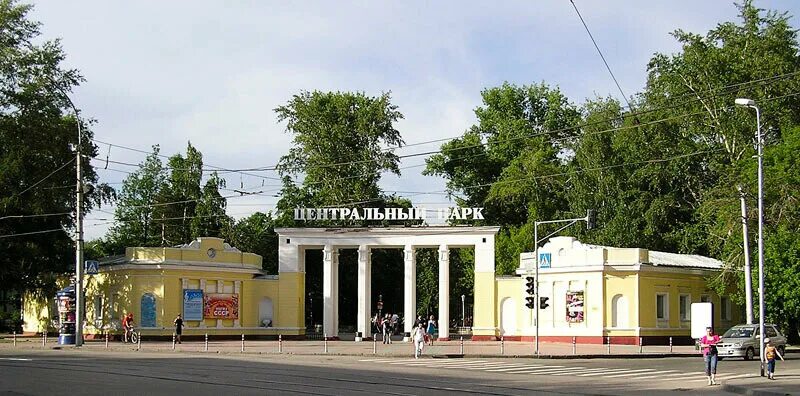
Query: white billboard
pixel 702 317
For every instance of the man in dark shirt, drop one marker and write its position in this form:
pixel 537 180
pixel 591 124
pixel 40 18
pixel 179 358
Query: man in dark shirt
pixel 178 328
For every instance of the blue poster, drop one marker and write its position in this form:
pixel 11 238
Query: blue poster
pixel 544 260
pixel 192 304
pixel 148 310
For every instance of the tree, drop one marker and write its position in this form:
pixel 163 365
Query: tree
pixel 180 196
pixel 256 234
pixel 341 145
pixel 210 218
pixel 38 129
pixel 505 162
pixel 135 213
pixel 338 148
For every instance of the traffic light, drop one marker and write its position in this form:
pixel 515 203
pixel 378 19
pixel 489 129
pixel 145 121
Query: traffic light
pixel 530 285
pixel 543 302
pixel 591 219
pixel 531 304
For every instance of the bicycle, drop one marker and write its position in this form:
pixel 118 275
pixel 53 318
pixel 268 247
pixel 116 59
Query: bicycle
pixel 133 336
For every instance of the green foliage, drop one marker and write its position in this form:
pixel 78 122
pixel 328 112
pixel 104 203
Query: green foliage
pixel 136 225
pixel 183 188
pixel 338 149
pixel 256 234
pixel 210 218
pixel 38 129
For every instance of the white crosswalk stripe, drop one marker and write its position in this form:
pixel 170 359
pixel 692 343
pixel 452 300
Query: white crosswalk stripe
pixel 545 369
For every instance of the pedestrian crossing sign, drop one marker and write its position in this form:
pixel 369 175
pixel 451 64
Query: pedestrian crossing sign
pixel 92 267
pixel 544 260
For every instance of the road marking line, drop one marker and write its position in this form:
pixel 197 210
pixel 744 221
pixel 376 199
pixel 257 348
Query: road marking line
pixel 662 374
pixel 488 365
pixel 518 368
pixel 510 366
pixel 681 373
pixel 604 372
pixel 563 371
pixel 17 359
pixel 632 373
pixel 547 370
pixel 443 365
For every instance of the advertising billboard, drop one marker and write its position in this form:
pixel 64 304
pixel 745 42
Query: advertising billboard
pixel 575 307
pixel 192 304
pixel 221 306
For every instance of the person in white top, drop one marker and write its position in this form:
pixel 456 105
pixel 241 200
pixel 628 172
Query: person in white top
pixel 418 335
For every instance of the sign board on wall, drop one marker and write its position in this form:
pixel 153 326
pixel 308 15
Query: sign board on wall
pixel 192 304
pixel 221 306
pixel 702 317
pixel 575 307
pixel 545 260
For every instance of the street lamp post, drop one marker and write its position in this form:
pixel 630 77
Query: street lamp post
pixel 590 220
pixel 759 145
pixel 79 297
pixel 462 310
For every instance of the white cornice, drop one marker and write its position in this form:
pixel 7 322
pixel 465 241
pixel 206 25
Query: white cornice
pixel 161 266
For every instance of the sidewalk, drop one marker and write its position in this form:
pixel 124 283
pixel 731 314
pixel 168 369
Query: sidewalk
pixel 787 382
pixel 472 349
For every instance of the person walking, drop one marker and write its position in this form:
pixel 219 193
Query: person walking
pixel 770 351
pixel 710 354
pixel 387 332
pixel 431 330
pixel 418 335
pixel 178 328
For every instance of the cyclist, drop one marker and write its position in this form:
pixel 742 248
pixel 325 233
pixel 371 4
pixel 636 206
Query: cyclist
pixel 127 325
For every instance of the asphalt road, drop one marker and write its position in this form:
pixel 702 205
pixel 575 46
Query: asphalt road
pixel 78 372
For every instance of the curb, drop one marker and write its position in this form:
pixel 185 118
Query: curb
pixel 132 348
pixel 744 390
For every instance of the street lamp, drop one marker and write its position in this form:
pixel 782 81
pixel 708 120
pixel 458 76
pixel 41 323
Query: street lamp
pixel 759 144
pixel 462 310
pixel 79 297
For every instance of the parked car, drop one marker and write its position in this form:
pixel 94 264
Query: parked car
pixel 742 341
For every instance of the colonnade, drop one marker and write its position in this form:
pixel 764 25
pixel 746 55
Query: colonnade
pixel 330 290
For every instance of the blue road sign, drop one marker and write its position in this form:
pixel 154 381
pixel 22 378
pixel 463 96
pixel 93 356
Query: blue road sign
pixel 91 267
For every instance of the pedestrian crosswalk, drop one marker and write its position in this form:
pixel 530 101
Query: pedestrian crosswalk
pixel 557 368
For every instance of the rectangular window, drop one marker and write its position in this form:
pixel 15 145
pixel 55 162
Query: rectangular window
pixel 686 307
pixel 725 307
pixel 662 306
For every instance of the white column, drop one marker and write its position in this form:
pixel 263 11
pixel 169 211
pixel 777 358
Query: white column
pixel 335 259
pixel 364 291
pixel 328 303
pixel 444 293
pixel 410 289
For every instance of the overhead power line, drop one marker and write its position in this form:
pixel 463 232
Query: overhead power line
pixel 613 77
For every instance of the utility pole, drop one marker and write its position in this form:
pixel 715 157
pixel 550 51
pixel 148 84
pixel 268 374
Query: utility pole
pixel 79 307
pixel 748 274
pixel 590 219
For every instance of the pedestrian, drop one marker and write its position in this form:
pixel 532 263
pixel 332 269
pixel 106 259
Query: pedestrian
pixel 395 320
pixel 770 352
pixel 418 335
pixel 387 332
pixel 710 354
pixel 431 329
pixel 178 328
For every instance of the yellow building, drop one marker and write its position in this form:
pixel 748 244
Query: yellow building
pixel 595 292
pixel 218 289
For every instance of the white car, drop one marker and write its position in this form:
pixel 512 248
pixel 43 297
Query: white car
pixel 742 341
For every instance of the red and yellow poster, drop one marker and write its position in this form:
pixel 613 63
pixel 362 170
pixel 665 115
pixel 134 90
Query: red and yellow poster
pixel 221 306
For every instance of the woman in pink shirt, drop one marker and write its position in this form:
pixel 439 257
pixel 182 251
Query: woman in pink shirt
pixel 709 346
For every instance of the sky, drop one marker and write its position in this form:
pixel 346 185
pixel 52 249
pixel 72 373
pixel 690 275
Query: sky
pixel 211 72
